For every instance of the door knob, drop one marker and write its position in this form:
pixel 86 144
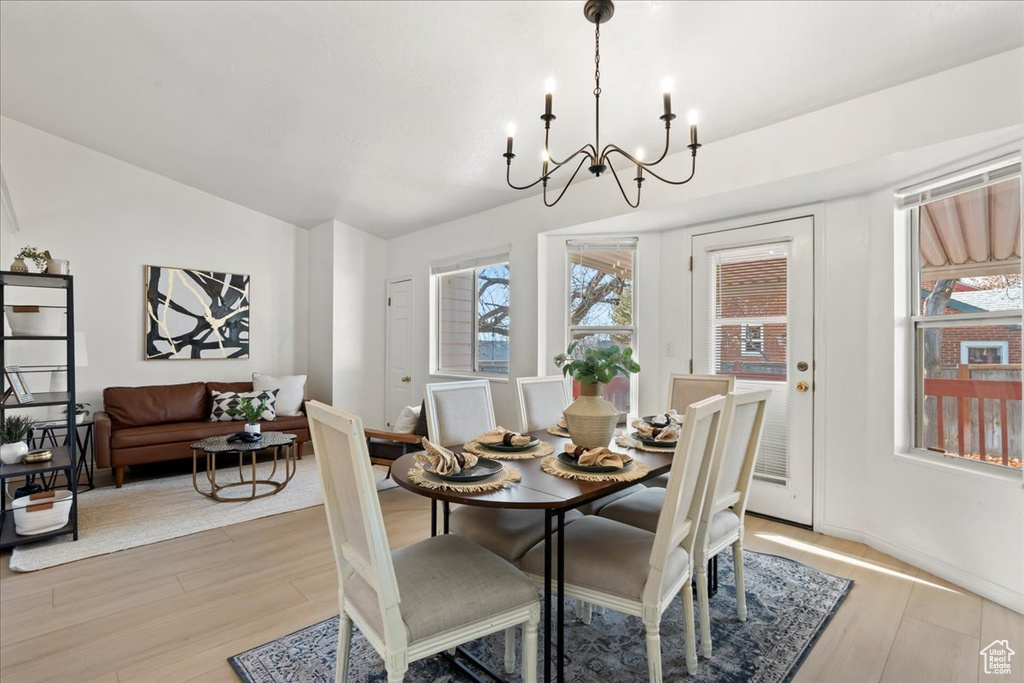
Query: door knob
pixel 407 379
pixel 802 386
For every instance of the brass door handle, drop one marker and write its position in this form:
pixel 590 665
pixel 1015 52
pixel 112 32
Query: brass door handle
pixel 802 386
pixel 407 379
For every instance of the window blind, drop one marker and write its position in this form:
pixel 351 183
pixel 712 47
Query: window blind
pixel 749 288
pixel 947 186
pixel 480 259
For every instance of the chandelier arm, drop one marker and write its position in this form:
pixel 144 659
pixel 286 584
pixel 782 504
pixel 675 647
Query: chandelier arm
pixel 610 147
pixel 622 189
pixel 562 193
pixel 508 179
pixel 693 170
pixel 587 149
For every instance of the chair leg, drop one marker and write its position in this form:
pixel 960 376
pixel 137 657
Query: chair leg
pixel 691 645
pixel 530 649
pixel 705 615
pixel 653 652
pixel 588 613
pixel 510 649
pixel 396 676
pixel 344 642
pixel 741 591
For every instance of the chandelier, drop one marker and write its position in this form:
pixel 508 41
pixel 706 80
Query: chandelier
pixel 598 12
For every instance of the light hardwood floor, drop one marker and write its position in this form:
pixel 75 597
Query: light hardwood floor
pixel 174 611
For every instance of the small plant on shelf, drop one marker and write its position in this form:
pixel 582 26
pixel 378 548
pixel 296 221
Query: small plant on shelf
pixel 34 255
pixel 15 428
pixel 81 412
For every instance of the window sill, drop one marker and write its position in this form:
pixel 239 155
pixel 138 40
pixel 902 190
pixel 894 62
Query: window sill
pixel 500 379
pixel 961 465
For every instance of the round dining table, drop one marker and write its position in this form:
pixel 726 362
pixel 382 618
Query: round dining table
pixel 537 490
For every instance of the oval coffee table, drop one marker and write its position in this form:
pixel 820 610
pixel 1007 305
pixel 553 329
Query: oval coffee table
pixel 284 448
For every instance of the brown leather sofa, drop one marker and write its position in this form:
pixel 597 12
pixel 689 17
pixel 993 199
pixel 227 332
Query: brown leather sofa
pixel 141 425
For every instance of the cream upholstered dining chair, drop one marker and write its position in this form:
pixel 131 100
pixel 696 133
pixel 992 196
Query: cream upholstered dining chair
pixel 458 412
pixel 423 598
pixel 684 390
pixel 729 487
pixel 541 401
pixel 631 570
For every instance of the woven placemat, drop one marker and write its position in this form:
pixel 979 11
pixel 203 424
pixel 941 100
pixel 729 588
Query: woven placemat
pixel 427 480
pixel 555 430
pixel 541 449
pixel 632 471
pixel 630 442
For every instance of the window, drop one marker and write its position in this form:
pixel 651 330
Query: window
pixel 753 340
pixel 967 315
pixel 601 295
pixel 471 305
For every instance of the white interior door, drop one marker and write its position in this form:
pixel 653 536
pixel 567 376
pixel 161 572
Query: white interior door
pixel 753 317
pixel 399 350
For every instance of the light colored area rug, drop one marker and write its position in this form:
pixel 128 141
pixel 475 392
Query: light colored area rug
pixel 144 512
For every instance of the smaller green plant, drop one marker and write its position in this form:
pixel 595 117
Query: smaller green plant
pixel 34 255
pixel 80 409
pixel 249 409
pixel 15 428
pixel 597 366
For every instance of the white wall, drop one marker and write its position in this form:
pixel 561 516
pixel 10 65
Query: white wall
pixel 347 287
pixel 110 219
pixel 964 527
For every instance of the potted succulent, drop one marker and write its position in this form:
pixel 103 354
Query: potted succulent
pixel 251 411
pixel 13 432
pixel 591 418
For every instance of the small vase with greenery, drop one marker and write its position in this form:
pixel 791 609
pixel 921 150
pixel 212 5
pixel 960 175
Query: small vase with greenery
pixel 251 411
pixel 14 430
pixel 591 418
pixel 34 255
pixel 81 412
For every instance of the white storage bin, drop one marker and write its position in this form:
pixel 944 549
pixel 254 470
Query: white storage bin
pixel 41 512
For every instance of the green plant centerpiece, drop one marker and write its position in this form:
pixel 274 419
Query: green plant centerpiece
pixel 14 430
pixel 590 418
pixel 251 411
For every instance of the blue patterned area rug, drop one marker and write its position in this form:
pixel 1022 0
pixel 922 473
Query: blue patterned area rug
pixel 788 606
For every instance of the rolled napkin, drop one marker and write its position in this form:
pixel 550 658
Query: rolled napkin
pixel 665 419
pixel 499 436
pixel 442 460
pixel 596 456
pixel 670 433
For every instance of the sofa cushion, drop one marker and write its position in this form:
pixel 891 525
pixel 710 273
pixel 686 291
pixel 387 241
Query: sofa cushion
pixel 135 437
pixel 224 406
pixel 155 405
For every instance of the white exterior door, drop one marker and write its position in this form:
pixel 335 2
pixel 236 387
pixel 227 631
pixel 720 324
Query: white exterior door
pixel 753 317
pixel 399 350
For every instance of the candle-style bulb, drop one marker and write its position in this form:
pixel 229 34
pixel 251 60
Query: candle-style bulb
pixel 639 154
pixel 549 90
pixel 693 117
pixel 666 85
pixel 511 130
pixel 549 85
pixel 693 129
pixel 666 96
pixel 508 143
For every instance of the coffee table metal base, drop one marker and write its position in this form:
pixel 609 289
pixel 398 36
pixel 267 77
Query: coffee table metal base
pixel 283 454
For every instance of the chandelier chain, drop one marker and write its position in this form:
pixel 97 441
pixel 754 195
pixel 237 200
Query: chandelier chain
pixel 597 61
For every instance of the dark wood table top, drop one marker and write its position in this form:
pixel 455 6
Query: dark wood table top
pixel 538 489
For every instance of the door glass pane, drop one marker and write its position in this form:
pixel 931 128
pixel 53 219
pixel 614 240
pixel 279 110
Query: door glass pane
pixel 974 373
pixel 616 391
pixel 749 331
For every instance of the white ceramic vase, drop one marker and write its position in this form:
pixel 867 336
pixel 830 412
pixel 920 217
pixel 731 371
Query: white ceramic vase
pixel 252 429
pixel 591 418
pixel 13 453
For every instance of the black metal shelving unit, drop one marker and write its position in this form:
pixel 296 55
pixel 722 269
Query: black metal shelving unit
pixel 64 457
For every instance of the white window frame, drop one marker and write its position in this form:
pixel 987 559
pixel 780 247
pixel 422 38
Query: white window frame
pixel 910 200
pixel 475 262
pixel 619 243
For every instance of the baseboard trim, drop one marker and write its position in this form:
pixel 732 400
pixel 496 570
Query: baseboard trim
pixel 976 584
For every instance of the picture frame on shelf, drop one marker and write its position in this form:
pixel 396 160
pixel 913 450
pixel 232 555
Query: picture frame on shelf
pixel 16 385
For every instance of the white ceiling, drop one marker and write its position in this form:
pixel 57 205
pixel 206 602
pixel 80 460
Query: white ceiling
pixel 390 116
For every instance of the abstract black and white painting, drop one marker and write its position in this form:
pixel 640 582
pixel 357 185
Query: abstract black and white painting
pixel 197 314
